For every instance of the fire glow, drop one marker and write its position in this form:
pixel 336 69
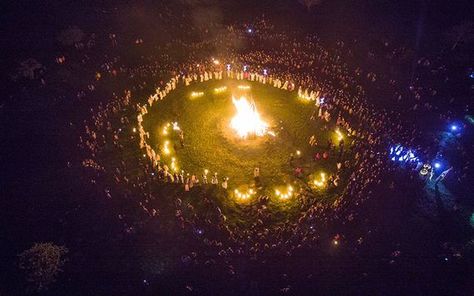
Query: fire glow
pixel 247 121
pixel 284 195
pixel 244 195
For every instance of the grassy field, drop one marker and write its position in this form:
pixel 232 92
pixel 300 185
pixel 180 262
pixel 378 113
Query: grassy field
pixel 211 144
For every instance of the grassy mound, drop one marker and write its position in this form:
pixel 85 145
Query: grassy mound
pixel 210 143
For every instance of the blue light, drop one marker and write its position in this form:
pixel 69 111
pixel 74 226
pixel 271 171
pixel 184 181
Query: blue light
pixel 249 30
pixel 437 165
pixel 456 127
pixel 402 154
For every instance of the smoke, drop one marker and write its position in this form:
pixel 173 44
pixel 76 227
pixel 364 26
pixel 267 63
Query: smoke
pixel 206 15
pixel 208 18
pixel 310 3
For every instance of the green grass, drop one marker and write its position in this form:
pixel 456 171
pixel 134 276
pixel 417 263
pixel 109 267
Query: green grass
pixel 211 144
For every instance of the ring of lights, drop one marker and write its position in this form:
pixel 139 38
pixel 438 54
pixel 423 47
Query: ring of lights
pixel 240 212
pixel 242 192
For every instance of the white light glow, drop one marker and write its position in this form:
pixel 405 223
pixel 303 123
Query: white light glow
pixel 284 195
pixel 244 195
pixel 340 137
pixel 197 94
pixel 220 89
pixel 247 121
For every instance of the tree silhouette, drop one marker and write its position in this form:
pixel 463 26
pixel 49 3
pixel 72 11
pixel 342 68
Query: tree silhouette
pixel 462 33
pixel 41 264
pixel 70 36
pixel 28 68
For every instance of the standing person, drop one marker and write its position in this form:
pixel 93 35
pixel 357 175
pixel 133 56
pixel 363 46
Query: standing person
pixel 256 176
pixel 176 177
pixel 299 172
pixel 214 180
pixel 224 183
pixel 181 138
pixel 256 172
pixel 186 186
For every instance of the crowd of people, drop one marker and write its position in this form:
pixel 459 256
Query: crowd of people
pixel 129 169
pixel 304 66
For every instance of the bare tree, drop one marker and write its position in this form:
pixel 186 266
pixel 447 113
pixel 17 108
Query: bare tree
pixel 29 68
pixel 41 264
pixel 70 36
pixel 462 33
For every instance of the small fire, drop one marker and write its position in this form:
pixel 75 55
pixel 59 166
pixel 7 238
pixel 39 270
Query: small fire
pixel 321 182
pixel 247 121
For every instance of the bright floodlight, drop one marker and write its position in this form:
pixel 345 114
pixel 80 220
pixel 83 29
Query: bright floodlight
pixel 454 127
pixel 437 165
pixel 247 121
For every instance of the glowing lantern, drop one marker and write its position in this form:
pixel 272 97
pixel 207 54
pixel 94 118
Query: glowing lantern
pixel 166 149
pixel 321 182
pixel 176 126
pixel 284 195
pixel 173 165
pixel 165 128
pixel 220 89
pixel 245 195
pixel 339 135
pixel 196 94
